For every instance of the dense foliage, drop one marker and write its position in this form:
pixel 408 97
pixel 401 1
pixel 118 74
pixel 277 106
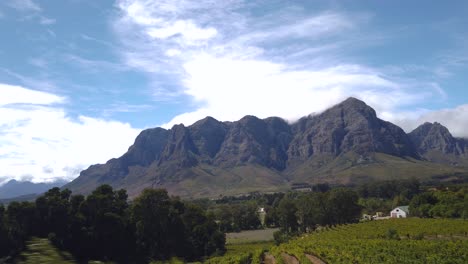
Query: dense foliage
pixel 446 203
pixel 104 226
pixel 410 240
pixel 237 217
pixel 304 212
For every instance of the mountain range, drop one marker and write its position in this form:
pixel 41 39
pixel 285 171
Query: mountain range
pixel 346 144
pixel 14 188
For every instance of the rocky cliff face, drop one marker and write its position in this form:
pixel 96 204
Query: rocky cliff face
pixel 253 140
pixel 434 142
pixel 210 147
pixel 349 126
pixel 434 136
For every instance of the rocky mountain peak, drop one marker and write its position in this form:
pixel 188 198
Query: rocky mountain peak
pixel 434 136
pixel 349 126
pixel 208 134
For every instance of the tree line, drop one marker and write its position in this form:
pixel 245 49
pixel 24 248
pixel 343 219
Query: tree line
pixel 105 226
pixel 298 212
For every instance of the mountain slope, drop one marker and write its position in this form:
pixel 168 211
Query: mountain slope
pixel 346 144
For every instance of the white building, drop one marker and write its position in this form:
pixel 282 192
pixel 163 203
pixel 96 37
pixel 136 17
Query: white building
pixel 400 212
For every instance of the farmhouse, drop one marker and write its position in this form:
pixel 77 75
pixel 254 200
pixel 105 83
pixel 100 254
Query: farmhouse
pixel 400 212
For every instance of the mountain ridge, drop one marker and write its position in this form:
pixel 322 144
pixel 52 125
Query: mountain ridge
pixel 343 144
pixel 14 188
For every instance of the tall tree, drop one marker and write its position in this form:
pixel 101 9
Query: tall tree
pixel 287 215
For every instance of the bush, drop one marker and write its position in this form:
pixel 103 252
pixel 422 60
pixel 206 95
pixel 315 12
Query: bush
pixel 282 237
pixel 392 234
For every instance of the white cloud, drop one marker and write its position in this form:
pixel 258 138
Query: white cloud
pixel 288 63
pixel 11 94
pixel 37 136
pixel 230 88
pixel 455 119
pixel 172 52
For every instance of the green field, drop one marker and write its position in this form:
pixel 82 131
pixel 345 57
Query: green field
pixel 245 247
pixel 410 240
pixel 251 236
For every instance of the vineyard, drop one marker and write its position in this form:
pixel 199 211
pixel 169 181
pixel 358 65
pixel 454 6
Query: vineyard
pixel 389 241
pixel 409 240
pixel 251 253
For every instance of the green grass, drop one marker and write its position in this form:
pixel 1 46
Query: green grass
pixel 417 241
pixel 251 236
pixel 246 247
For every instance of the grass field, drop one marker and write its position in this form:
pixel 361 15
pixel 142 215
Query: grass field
pixel 250 236
pixel 245 247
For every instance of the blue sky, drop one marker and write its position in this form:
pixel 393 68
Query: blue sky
pixel 79 79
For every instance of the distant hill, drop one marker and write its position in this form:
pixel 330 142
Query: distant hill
pixel 346 144
pixel 21 189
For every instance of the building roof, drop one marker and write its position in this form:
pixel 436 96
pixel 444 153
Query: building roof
pixel 404 208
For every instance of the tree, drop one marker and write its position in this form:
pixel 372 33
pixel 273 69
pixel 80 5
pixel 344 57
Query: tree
pixel 305 212
pixel 99 227
pixel 287 215
pixel 343 206
pixel 150 213
pixel 5 241
pixel 21 219
pixel 422 204
pixel 53 214
pixel 203 237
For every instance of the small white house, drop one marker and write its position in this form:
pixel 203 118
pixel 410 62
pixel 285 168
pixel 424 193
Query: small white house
pixel 400 212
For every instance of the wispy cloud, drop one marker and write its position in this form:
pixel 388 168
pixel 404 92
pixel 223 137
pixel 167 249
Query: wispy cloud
pixel 47 21
pixel 94 66
pixel 43 84
pixel 123 107
pixel 96 40
pixel 29 10
pixel 24 5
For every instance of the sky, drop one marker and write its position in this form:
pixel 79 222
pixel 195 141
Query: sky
pixel 79 79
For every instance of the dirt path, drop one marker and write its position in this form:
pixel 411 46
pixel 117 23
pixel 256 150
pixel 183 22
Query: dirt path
pixel 315 259
pixel 288 259
pixel 269 259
